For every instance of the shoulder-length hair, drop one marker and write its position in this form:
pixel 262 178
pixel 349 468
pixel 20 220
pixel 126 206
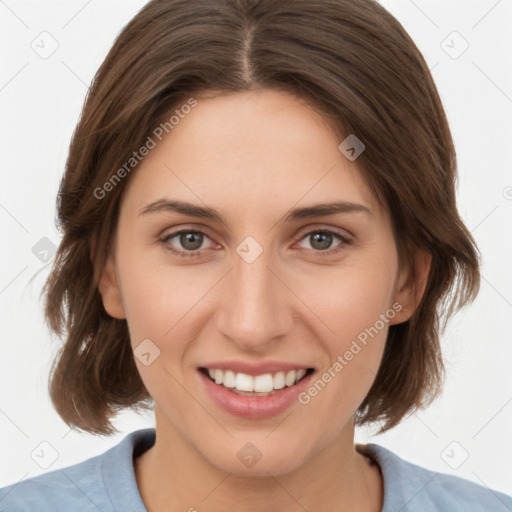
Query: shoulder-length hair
pixel 354 62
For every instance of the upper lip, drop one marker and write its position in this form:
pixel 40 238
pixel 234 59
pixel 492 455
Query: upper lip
pixel 254 368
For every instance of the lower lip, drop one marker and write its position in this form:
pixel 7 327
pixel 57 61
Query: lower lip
pixel 254 407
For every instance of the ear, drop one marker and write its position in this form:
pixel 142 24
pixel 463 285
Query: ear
pixel 110 291
pixel 411 287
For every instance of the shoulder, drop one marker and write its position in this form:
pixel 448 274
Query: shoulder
pixel 78 487
pixel 104 483
pixel 412 488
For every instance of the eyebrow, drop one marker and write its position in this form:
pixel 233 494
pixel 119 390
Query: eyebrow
pixel 194 210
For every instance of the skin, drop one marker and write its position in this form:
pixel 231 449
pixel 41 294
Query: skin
pixel 253 156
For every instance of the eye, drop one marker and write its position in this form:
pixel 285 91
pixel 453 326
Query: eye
pixel 191 242
pixel 322 240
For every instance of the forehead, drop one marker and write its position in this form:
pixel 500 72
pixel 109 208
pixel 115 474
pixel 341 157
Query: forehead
pixel 262 150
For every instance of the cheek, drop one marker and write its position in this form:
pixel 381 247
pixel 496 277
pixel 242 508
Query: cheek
pixel 161 299
pixel 158 297
pixel 159 303
pixel 351 298
pixel 356 305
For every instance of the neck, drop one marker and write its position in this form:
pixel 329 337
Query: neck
pixel 172 476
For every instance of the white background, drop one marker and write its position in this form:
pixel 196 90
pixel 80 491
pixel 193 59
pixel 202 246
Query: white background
pixel 40 101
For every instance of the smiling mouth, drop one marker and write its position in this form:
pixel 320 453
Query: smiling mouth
pixel 266 384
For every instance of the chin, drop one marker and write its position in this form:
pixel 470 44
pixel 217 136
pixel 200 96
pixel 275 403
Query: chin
pixel 258 458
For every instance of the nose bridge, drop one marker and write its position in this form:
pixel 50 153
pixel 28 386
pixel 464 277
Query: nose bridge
pixel 254 309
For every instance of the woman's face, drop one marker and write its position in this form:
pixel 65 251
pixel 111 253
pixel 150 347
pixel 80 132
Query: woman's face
pixel 223 265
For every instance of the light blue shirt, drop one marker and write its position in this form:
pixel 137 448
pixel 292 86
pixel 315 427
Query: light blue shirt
pixel 107 483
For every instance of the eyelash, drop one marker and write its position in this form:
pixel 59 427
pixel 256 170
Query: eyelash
pixel 191 254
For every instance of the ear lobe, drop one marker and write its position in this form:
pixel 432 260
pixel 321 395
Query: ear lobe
pixel 110 291
pixel 411 292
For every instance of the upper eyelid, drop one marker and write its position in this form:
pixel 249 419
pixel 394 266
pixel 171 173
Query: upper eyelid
pixel 302 234
pixel 172 234
pixel 317 226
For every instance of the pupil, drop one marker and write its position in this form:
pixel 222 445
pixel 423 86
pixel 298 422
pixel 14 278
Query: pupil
pixel 191 241
pixel 324 238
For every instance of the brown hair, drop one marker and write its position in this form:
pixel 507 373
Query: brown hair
pixel 355 62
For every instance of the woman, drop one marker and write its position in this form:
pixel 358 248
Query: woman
pixel 260 237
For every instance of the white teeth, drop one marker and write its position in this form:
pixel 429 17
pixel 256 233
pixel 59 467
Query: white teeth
pixel 261 384
pixel 229 378
pixel 279 380
pixel 244 382
pixel 299 374
pixel 290 378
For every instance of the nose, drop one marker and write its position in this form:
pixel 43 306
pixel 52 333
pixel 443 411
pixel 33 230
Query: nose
pixel 255 304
